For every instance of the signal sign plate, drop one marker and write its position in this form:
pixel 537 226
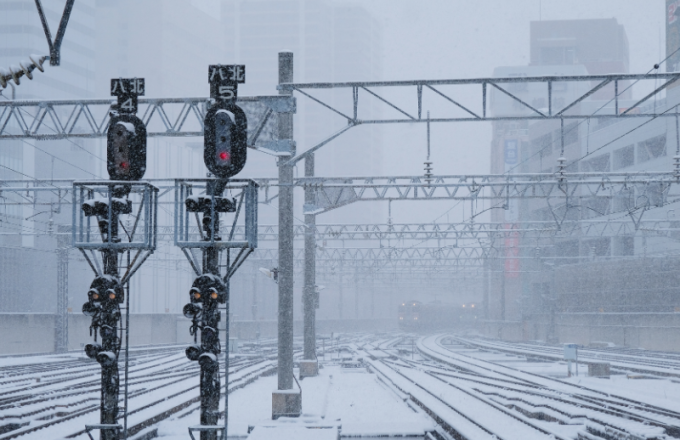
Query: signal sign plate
pixel 224 80
pixel 127 86
pixel 229 73
pixel 127 90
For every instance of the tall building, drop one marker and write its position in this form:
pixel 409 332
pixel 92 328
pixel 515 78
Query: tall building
pixel 570 48
pixel 600 45
pixel 29 233
pixel 331 42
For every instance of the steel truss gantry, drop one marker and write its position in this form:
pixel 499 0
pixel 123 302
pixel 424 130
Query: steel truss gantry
pixel 389 94
pixel 637 192
pixel 473 231
pixel 169 117
pixel 331 193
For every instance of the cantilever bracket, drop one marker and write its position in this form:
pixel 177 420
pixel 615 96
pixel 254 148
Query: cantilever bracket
pixel 55 47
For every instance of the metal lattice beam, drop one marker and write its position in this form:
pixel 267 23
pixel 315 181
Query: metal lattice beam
pixel 403 101
pixel 174 117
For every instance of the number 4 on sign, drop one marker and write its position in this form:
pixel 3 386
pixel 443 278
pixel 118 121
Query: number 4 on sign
pixel 128 105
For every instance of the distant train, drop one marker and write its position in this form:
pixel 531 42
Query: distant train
pixel 415 315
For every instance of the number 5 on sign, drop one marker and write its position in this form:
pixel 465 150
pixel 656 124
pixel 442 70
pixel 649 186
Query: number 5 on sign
pixel 226 92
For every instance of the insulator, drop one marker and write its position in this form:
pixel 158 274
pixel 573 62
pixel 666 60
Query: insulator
pixel 25 67
pixel 428 172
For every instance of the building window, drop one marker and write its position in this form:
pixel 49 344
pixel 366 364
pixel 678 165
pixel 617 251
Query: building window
pixel 552 56
pixel 626 245
pixel 624 157
pixel 542 145
pixel 596 248
pixel 599 164
pixel 651 148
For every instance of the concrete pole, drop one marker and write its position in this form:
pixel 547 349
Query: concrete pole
pixel 486 288
pixel 371 277
pixel 340 298
pixel 309 293
pixel 254 276
pixel 356 292
pixel 61 339
pixel 285 324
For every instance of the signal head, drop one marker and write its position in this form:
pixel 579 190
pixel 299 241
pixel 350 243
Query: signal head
pixel 225 140
pixel 90 309
pixel 126 148
pixel 192 310
pixel 92 350
pixel 193 352
pixel 195 294
pixel 105 291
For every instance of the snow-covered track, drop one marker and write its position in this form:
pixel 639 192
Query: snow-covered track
pixel 545 400
pixel 630 360
pixel 58 403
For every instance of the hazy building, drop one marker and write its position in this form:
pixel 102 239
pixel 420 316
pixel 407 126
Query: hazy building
pixel 29 225
pixel 600 45
pixel 331 42
pixel 569 48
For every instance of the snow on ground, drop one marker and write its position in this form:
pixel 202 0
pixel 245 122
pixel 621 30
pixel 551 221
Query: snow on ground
pixel 352 398
pixel 659 392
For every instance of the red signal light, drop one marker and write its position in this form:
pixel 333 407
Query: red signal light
pixel 224 155
pixel 124 165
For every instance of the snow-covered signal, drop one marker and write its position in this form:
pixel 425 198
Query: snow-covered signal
pixel 226 125
pixel 126 137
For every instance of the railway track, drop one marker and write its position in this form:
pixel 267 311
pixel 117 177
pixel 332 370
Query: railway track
pixel 469 398
pixel 626 361
pixel 476 399
pixel 57 399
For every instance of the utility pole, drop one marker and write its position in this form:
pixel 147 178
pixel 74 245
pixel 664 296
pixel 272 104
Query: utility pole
pixel 61 336
pixel 356 292
pixel 486 288
pixel 286 403
pixel 309 366
pixel 341 304
pixel 372 278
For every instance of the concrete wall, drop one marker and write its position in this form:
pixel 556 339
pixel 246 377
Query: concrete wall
pixel 34 333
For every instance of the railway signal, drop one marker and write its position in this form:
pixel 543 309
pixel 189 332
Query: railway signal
pixel 126 136
pixel 225 126
pixel 103 305
pixel 207 292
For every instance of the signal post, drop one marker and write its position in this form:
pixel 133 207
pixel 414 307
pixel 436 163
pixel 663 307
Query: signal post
pixel 224 154
pixel 98 211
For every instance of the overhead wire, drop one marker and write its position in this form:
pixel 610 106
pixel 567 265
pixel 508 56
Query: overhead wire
pixel 655 67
